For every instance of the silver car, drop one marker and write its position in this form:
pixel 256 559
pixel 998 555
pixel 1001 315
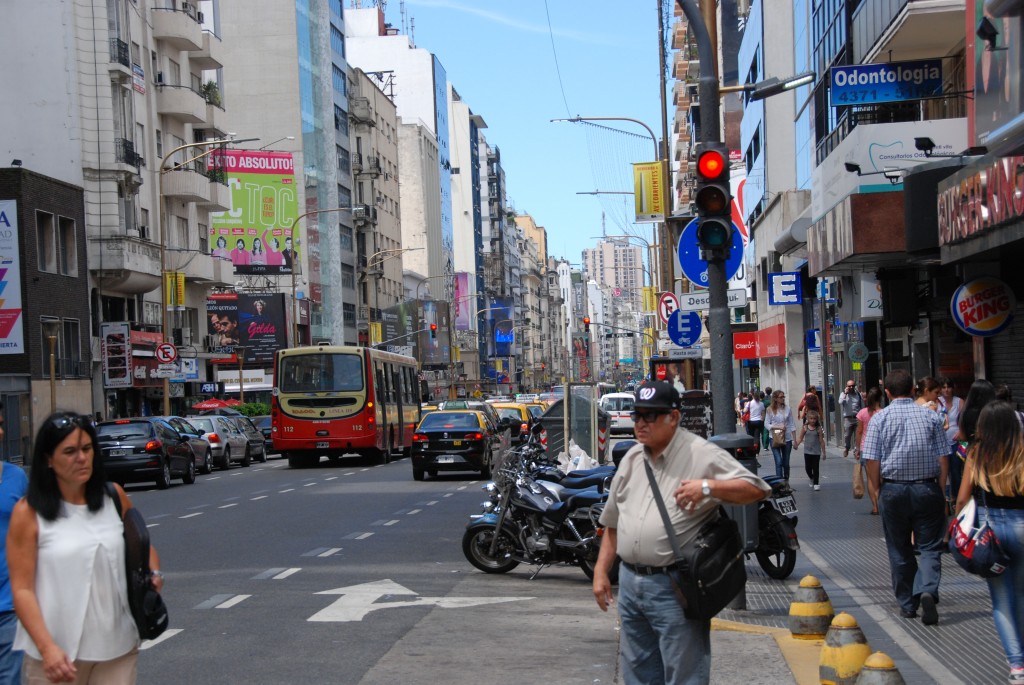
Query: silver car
pixel 227 442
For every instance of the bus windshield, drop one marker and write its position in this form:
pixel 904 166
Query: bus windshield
pixel 325 372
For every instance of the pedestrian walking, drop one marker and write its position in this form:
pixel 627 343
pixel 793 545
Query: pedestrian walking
pixel 1004 393
pixel 907 459
pixel 951 406
pixel 755 424
pixel 873 402
pixel 766 400
pixel 850 402
pixel 812 437
pixel 980 393
pixel 67 563
pixel 994 476
pixel 658 644
pixel 778 419
pixel 13 485
pixel 809 402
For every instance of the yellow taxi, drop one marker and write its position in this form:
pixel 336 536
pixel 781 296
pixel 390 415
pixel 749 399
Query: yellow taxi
pixel 521 417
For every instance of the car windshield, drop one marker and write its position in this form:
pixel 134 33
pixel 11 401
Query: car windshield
pixel 509 413
pixel 617 403
pixel 204 425
pixel 449 421
pixel 261 421
pixel 109 432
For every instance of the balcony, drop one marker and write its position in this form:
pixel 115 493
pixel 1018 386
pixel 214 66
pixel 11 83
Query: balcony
pixel 129 265
pixel 360 111
pixel 220 194
pixel 216 121
pixel 177 28
pixel 370 166
pixel 124 153
pixel 186 184
pixel 209 270
pixel 207 57
pixel 181 103
pixel 120 60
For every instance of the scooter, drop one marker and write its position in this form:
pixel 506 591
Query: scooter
pixel 776 530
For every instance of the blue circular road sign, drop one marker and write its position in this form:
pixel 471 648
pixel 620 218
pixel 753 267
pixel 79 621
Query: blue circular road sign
pixel 684 328
pixel 695 268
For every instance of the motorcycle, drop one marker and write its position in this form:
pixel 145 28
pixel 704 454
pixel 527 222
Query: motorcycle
pixel 534 522
pixel 776 530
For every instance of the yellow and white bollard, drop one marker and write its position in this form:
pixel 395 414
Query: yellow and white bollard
pixel 879 669
pixel 810 612
pixel 844 652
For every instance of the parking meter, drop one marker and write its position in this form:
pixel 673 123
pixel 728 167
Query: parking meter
pixel 744 449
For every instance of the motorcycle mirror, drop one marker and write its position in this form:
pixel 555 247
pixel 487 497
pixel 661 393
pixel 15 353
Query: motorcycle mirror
pixel 537 428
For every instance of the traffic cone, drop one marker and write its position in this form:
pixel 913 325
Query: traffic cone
pixel 844 652
pixel 810 612
pixel 879 669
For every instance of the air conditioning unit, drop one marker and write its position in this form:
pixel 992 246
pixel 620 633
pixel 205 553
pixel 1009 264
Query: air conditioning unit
pixel 144 232
pixel 200 17
pixel 186 336
pixel 187 8
pixel 160 77
pixel 360 212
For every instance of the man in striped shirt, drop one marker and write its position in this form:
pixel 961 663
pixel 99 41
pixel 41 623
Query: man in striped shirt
pixel 907 456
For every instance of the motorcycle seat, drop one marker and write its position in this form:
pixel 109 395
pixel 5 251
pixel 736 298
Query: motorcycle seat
pixel 596 480
pixel 559 511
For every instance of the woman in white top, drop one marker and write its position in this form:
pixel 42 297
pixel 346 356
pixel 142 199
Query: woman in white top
pixel 66 555
pixel 755 424
pixel 778 415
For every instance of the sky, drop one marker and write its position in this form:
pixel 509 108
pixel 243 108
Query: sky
pixel 519 64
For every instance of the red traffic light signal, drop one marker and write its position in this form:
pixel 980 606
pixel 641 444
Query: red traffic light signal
pixel 713 201
pixel 433 331
pixel 586 324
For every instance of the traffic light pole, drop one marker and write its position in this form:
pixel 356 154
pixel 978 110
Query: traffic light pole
pixel 718 316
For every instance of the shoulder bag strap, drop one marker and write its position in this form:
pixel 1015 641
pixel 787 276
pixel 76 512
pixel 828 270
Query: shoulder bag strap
pixel 112 491
pixel 676 552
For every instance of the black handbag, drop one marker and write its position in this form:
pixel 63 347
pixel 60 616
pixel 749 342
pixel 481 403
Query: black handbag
pixel 710 571
pixel 146 604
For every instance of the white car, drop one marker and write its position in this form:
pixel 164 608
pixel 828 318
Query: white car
pixel 619 406
pixel 227 442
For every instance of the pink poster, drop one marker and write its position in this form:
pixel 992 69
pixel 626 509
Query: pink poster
pixel 463 301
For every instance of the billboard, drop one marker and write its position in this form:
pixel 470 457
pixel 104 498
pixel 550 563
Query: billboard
pixel 996 73
pixel 12 338
pixel 499 327
pixel 463 302
pixel 256 235
pixel 116 354
pixel 433 349
pixel 255 322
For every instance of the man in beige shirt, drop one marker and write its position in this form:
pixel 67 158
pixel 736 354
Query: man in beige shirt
pixel 659 645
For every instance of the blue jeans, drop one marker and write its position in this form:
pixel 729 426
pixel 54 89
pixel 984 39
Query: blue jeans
pixel 660 646
pixel 1007 590
pixel 918 509
pixel 781 455
pixel 10 659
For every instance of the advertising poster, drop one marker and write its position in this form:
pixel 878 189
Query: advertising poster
pixel 499 325
pixel 261 323
pixel 222 324
pixel 397 328
pixel 433 348
pixel 116 354
pixel 144 363
pixel 256 234
pixel 997 73
pixel 12 338
pixel 463 302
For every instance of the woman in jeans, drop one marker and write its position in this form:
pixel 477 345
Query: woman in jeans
pixel 778 415
pixel 994 475
pixel 755 424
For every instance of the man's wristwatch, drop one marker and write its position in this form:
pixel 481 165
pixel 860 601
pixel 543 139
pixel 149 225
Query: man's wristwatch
pixel 705 488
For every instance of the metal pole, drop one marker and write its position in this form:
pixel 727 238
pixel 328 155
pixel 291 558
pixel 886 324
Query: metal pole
pixel 53 373
pixel 240 353
pixel 295 264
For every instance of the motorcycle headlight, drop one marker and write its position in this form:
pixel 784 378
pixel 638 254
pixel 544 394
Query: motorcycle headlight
pixel 489 487
pixel 487 507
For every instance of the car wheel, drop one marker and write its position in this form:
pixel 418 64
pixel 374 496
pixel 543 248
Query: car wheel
pixel 485 469
pixel 163 481
pixel 190 473
pixel 207 462
pixel 417 474
pixel 263 454
pixel 247 459
pixel 227 459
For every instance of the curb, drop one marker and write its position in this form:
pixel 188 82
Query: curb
pixel 802 656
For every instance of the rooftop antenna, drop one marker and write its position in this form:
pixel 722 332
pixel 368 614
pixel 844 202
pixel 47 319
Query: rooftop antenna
pixel 412 31
pixel 405 17
pixel 604 231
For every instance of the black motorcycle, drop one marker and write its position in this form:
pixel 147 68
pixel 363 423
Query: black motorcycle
pixel 776 530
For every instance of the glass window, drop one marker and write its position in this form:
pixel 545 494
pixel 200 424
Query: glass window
pixel 68 246
pixel 326 372
pixel 46 242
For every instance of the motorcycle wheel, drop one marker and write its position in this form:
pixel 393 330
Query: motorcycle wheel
pixel 778 565
pixel 588 564
pixel 476 545
pixel 777 560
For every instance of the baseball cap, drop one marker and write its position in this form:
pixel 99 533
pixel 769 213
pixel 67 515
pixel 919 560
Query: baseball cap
pixel 657 395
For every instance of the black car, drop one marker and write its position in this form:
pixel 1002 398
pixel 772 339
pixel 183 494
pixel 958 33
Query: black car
pixel 461 440
pixel 144 449
pixel 200 448
pixel 263 423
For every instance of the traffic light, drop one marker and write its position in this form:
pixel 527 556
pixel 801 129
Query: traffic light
pixel 586 324
pixel 433 331
pixel 713 201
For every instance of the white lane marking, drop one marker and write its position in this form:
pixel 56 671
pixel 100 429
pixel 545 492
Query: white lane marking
pixel 284 491
pixel 228 506
pixel 331 478
pixel 448 494
pixel 237 473
pixel 899 635
pixel 253 499
pixel 431 503
pixel 366 469
pixel 462 487
pixel 390 523
pixel 363 536
pixel 332 551
pixel 152 525
pixel 350 473
pixel 188 516
pixel 167 635
pixel 212 478
pixel 287 572
pixel 414 511
pixel 357 601
pixel 308 484
pixel 270 572
pixel 237 599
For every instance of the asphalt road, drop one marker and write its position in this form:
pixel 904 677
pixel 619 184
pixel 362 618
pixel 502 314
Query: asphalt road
pixel 271 573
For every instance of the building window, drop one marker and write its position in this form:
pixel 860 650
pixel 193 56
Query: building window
pixel 348 276
pixel 55 244
pixel 204 238
pixel 71 349
pixel 46 242
pixel 348 312
pixel 344 196
pixel 346 238
pixel 67 246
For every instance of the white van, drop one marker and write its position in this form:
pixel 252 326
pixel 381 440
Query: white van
pixel 619 406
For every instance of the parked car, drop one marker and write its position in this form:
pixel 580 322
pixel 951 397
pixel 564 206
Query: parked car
pixel 265 426
pixel 504 426
pixel 459 440
pixel 521 419
pixel 226 441
pixel 257 443
pixel 142 449
pixel 200 448
pixel 619 406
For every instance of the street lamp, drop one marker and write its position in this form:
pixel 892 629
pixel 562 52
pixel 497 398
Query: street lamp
pixel 378 258
pixel 264 147
pixel 52 328
pixel 425 280
pixel 162 170
pixel 240 355
pixel 770 86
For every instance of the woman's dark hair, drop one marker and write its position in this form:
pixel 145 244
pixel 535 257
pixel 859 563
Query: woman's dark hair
pixel 874 397
pixel 981 393
pixel 43 492
pixel 1003 393
pixel 926 384
pixel 998 450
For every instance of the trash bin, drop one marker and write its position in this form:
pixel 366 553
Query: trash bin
pixel 743 448
pixel 553 421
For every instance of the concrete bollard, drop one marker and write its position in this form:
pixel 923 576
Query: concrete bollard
pixel 810 612
pixel 879 669
pixel 843 653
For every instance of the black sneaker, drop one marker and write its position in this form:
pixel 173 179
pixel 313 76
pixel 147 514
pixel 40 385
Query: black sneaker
pixel 907 613
pixel 929 616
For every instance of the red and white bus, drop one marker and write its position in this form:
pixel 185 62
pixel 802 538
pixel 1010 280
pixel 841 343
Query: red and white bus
pixel 333 400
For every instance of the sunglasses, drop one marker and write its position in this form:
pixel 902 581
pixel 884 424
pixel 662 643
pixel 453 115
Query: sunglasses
pixel 65 421
pixel 647 416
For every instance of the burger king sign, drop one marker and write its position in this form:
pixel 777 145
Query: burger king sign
pixel 983 307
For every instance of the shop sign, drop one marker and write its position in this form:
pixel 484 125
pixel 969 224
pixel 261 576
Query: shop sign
pixel 744 345
pixel 979 198
pixel 983 307
pixel 771 342
pixel 116 354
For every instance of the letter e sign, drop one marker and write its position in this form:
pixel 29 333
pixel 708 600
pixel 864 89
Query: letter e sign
pixel 784 288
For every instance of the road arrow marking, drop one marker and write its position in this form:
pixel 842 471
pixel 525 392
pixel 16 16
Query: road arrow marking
pixel 357 601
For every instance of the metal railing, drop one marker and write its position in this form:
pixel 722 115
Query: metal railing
pixel 124 151
pixel 119 52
